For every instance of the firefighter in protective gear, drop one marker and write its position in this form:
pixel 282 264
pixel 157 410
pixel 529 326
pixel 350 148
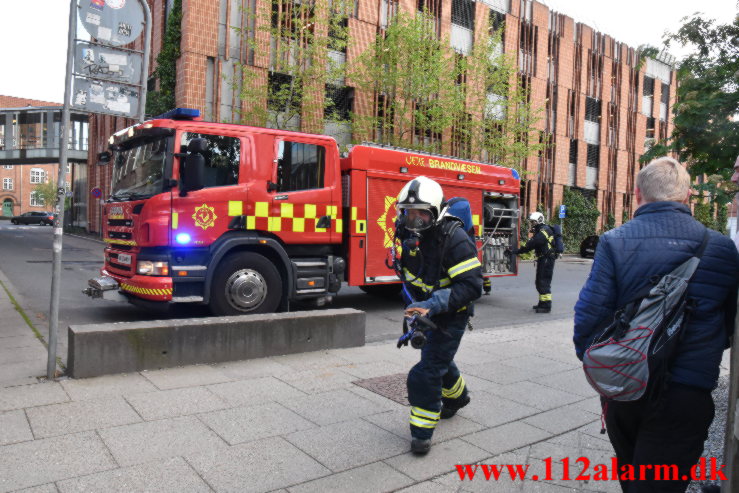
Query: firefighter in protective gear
pixel 542 242
pixel 442 276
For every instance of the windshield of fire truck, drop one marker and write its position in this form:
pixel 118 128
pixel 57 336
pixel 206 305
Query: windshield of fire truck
pixel 139 167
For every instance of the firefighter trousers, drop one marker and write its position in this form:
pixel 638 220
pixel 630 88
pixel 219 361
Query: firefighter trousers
pixel 544 273
pixel 436 378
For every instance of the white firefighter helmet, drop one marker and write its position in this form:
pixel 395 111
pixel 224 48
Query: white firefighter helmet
pixel 536 218
pixel 420 203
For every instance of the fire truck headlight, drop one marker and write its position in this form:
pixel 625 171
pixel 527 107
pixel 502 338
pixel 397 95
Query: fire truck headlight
pixel 150 268
pixel 183 238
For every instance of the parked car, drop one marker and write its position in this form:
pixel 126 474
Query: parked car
pixel 36 217
pixel 588 246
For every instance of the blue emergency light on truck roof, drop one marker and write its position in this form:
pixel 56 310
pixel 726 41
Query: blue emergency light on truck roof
pixel 179 114
pixel 515 174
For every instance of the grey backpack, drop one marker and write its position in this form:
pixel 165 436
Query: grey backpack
pixel 634 352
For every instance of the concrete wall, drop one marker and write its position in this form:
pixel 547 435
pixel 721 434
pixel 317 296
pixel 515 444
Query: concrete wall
pixel 134 346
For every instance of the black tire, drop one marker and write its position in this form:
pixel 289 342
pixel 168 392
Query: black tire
pixel 14 221
pixel 383 290
pixel 245 282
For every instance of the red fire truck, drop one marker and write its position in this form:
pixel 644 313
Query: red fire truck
pixel 247 220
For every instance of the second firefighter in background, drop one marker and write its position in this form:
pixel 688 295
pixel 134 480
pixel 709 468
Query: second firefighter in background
pixel 443 275
pixel 542 242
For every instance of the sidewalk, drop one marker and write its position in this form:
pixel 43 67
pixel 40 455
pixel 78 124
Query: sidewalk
pixel 297 423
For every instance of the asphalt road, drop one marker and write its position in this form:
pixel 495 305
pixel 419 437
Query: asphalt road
pixel 25 261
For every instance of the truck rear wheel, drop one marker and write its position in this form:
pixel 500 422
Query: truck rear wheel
pixel 244 283
pixel 382 290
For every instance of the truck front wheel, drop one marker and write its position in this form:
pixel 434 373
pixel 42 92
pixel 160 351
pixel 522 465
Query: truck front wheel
pixel 244 283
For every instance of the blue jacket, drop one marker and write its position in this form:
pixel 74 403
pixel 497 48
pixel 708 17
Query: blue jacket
pixel 661 236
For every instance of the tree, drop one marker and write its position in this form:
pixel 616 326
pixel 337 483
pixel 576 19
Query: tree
pixel 306 40
pixel 46 192
pixel 706 132
pixel 422 88
pixel 163 99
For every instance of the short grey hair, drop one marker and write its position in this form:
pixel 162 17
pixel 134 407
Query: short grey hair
pixel 663 179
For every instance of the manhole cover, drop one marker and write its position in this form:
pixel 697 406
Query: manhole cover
pixel 392 387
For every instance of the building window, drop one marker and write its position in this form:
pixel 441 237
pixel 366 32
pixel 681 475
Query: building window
pixel 573 151
pixel 300 166
pixel 37 200
pixel 7 184
pixel 38 175
pixel 593 158
pixel 339 102
pixel 497 22
pixel 463 13
pixel 8 166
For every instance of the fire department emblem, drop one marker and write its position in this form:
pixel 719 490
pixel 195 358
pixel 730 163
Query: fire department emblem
pixel 205 216
pixel 386 221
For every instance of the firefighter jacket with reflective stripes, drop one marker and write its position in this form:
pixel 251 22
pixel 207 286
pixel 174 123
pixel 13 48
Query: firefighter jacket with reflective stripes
pixel 444 278
pixel 542 242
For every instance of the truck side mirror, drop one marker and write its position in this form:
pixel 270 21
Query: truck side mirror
pixel 193 173
pixel 104 157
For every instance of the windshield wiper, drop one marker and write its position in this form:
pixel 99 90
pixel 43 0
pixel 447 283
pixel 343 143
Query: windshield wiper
pixel 120 196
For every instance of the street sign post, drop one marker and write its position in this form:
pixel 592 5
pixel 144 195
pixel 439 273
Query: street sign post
pixel 562 211
pixel 108 80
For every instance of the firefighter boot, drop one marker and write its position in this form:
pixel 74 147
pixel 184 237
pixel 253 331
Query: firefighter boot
pixel 545 307
pixel 450 407
pixel 420 446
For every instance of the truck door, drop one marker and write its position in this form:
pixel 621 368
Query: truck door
pixel 303 209
pixel 204 215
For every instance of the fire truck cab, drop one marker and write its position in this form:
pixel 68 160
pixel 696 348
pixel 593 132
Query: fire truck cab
pixel 247 219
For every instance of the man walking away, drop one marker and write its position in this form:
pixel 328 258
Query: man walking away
pixel 668 425
pixel 542 242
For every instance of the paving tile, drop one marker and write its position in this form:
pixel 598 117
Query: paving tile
pixel 429 487
pixel 76 416
pixel 168 475
pixel 372 478
pixel 370 353
pixel 81 389
pixel 498 373
pixel 538 365
pixel 375 397
pixel 373 369
pixel 20 354
pixel 44 488
pixel 442 458
pixel 39 394
pixel 21 341
pixel 245 424
pixel 255 391
pixel 264 465
pixel 175 402
pixel 315 360
pixel 397 422
pixel 572 381
pixel 318 380
pixel 40 462
pixel 186 376
pixel 349 444
pixel 506 437
pixel 14 427
pixel 253 368
pixel 561 419
pixel 333 407
pixel 492 410
pixel 479 482
pixel 535 395
pixel 151 440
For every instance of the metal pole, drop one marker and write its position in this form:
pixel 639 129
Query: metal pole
pixel 59 222
pixel 147 51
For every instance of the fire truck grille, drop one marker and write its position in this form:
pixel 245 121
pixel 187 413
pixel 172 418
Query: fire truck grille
pixel 126 268
pixel 120 222
pixel 119 235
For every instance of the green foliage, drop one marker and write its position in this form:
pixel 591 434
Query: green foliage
pixel 47 193
pixel 581 220
pixel 163 99
pixel 423 89
pixel 625 216
pixel 722 217
pixel 711 215
pixel 301 70
pixel 706 134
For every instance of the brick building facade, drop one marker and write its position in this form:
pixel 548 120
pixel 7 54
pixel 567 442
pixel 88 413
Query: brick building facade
pixel 17 182
pixel 601 105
